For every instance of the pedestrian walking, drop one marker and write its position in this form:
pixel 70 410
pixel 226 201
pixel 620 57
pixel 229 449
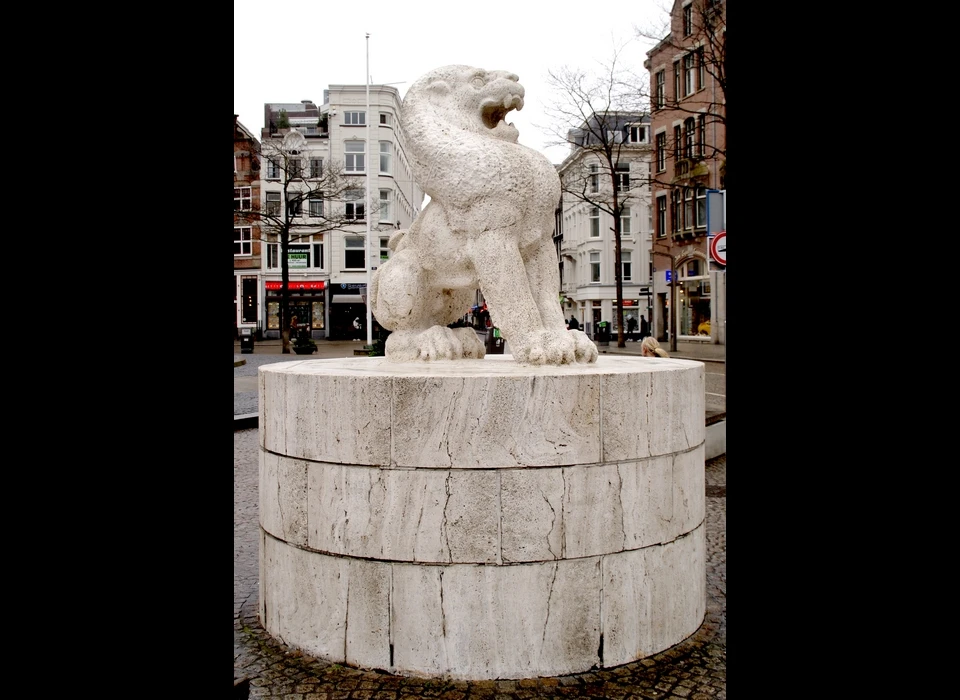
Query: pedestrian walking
pixel 644 328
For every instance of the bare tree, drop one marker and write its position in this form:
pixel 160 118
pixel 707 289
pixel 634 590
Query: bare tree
pixel 313 201
pixel 592 113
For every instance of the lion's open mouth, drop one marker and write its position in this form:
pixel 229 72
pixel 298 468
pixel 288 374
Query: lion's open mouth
pixel 493 113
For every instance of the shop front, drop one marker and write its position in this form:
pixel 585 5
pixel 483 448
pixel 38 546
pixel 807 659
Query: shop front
pixel 347 309
pixel 307 302
pixel 693 300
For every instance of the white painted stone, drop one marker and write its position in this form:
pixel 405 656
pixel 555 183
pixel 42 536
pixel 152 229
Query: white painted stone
pixel 492 413
pixel 416 621
pixel 528 420
pixel 653 598
pixel 368 613
pixel 531 512
pixel 303 598
pixel 716 439
pixel 283 497
pixel 652 413
pixel 403 514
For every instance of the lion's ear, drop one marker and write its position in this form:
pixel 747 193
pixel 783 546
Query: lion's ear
pixel 440 87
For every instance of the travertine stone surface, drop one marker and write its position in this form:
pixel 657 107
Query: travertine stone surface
pixel 482 519
pixel 483 622
pixel 492 413
pixel 489 225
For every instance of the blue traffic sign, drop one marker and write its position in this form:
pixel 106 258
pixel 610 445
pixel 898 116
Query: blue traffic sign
pixel 668 275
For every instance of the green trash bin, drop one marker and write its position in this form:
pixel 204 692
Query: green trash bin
pixel 602 335
pixel 494 341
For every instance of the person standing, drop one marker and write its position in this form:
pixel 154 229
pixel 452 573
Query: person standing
pixel 573 324
pixel 631 325
pixel 644 328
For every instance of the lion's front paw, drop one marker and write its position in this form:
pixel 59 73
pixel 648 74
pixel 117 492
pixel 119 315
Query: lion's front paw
pixel 586 349
pixel 554 348
pixel 435 343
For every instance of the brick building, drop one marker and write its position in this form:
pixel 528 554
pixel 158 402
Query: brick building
pixel 246 234
pixel 688 120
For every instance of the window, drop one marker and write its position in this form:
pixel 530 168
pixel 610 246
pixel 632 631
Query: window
pixel 660 95
pixel 638 133
pixel 242 241
pixel 273 169
pixel 661 151
pixel 316 167
pixel 294 169
pixel 242 198
pixel 385 206
pixel 675 211
pixel 623 177
pixel 626 266
pixel 687 207
pixel 701 206
pixel 316 204
pixel 594 222
pixel 294 204
pixel 595 266
pixel 354 204
pixel 701 132
pixel 384 248
pixel 661 216
pixel 700 69
pixel 354 118
pixel 688 74
pixel 353 156
pixel 353 253
pixel 386 152
pixel 298 255
pixel 273 203
pixel 626 227
pixel 676 80
pixel 688 20
pixel 594 178
pixel 677 142
pixel 317 254
pixel 689 137
pixel 384 118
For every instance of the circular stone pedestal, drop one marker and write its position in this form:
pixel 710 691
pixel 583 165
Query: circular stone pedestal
pixel 480 519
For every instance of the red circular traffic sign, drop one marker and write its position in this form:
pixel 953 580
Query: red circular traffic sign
pixel 718 247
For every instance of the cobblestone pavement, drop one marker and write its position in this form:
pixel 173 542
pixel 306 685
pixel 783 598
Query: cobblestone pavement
pixel 695 669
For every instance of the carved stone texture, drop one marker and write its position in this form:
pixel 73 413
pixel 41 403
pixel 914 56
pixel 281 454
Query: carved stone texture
pixel 488 225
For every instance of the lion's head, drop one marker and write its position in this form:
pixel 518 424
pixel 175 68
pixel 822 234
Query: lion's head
pixel 472 98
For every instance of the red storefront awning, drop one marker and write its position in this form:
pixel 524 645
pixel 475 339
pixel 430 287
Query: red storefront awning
pixel 294 285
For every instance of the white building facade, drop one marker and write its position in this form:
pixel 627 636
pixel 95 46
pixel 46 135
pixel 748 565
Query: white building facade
pixel 585 231
pixel 328 271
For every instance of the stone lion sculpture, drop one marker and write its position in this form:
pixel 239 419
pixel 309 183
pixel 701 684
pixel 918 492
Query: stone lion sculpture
pixel 488 225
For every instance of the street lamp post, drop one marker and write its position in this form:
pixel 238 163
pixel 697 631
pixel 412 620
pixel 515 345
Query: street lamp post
pixel 367 211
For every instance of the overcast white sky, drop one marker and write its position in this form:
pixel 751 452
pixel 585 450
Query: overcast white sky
pixel 291 50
